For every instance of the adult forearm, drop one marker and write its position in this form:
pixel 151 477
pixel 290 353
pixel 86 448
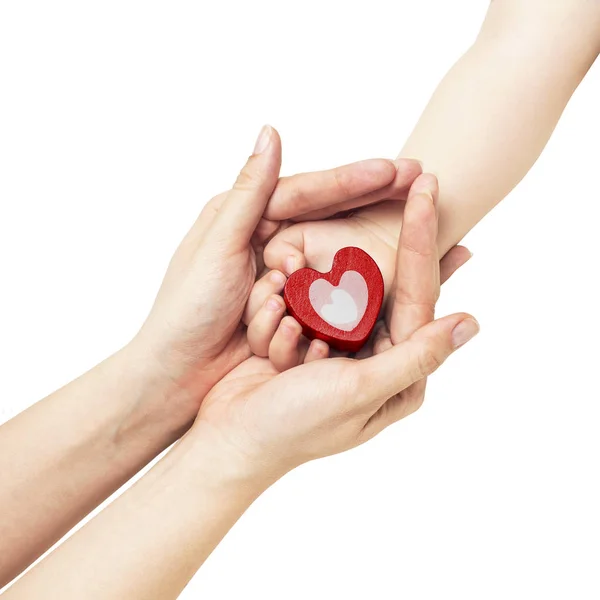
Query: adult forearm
pixel 493 113
pixel 63 456
pixel 151 540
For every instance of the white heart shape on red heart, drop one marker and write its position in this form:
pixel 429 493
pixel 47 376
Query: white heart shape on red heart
pixel 342 306
pixel 342 309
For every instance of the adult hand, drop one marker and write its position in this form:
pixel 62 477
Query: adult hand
pixel 254 425
pixel 195 331
pixel 275 421
pixel 373 224
pixel 280 339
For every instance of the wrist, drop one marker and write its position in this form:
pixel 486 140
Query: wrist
pixel 177 371
pixel 154 405
pixel 214 461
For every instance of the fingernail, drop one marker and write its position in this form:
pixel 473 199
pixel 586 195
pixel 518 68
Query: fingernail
pixel 430 183
pixel 290 264
pixel 273 304
pixel 426 185
pixel 290 329
pixel 464 331
pixel 409 162
pixel 264 137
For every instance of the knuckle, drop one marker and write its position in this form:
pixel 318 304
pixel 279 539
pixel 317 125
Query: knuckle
pixel 341 183
pixel 405 297
pixel 215 202
pixel 297 196
pixel 416 250
pixel 249 177
pixel 293 195
pixel 428 360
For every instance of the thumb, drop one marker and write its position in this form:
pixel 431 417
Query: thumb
pixel 245 203
pixel 420 355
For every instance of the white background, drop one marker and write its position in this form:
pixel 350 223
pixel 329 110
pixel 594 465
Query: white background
pixel 120 119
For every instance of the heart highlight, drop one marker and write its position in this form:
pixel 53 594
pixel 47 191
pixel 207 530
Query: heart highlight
pixel 343 306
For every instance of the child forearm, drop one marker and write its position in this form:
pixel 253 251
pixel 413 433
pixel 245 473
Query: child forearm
pixel 493 113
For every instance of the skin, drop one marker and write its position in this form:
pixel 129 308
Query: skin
pixel 517 108
pixel 538 52
pixel 140 402
pixel 66 454
pixel 256 423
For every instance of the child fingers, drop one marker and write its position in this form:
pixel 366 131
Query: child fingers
pixel 285 251
pixel 271 283
pixel 284 350
pixel 317 350
pixel 263 326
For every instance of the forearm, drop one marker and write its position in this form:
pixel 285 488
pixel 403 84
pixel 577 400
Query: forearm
pixel 66 454
pixel 493 113
pixel 150 541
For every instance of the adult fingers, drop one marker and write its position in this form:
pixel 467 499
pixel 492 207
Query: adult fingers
pixel 244 205
pixel 454 259
pixel 329 192
pixel 416 283
pixel 382 376
pixel 406 172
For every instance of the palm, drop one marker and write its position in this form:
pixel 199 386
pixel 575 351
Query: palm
pixel 205 342
pixel 256 406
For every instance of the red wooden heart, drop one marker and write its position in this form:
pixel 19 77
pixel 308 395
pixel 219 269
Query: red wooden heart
pixel 339 307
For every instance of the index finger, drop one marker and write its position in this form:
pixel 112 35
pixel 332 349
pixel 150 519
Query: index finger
pixel 417 280
pixel 325 193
